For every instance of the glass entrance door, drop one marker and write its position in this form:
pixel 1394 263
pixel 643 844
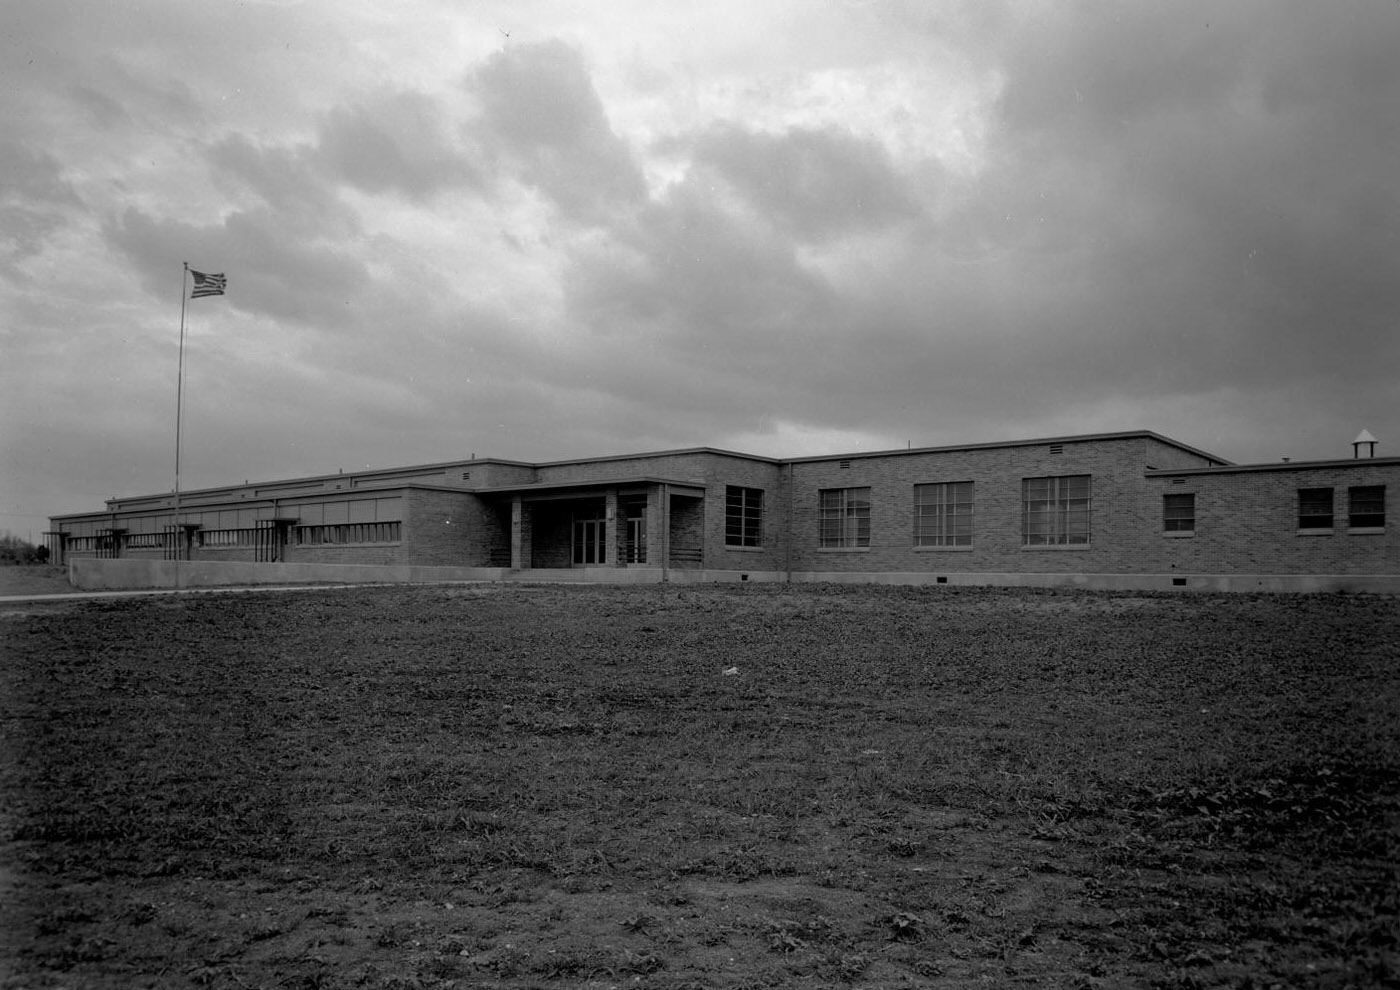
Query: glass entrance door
pixel 589 535
pixel 636 539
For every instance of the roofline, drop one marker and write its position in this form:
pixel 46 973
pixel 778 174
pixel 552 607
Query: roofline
pixel 1350 462
pixel 677 452
pixel 557 486
pixel 218 490
pixel 1001 444
pixel 306 479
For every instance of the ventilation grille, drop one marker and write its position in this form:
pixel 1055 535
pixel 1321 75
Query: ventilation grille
pixel 1057 448
pixel 845 464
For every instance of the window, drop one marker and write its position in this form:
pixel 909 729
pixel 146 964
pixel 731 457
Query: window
pixel 844 517
pixel 227 537
pixel 943 514
pixel 1366 505
pixel 1314 508
pixel 384 532
pixel 743 516
pixel 1179 513
pixel 1055 511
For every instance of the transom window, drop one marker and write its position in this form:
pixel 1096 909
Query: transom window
pixel 1366 506
pixel 943 514
pixel 1055 511
pixel 844 517
pixel 743 516
pixel 1179 513
pixel 1314 508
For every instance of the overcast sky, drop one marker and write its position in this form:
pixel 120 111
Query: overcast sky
pixel 539 230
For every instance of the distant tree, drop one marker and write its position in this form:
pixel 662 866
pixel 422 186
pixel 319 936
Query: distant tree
pixel 14 550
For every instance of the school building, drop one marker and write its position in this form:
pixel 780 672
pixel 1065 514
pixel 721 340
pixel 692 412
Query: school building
pixel 1129 510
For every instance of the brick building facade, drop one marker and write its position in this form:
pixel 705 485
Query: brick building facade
pixel 1120 504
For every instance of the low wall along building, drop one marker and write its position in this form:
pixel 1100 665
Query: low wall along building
pixel 1128 510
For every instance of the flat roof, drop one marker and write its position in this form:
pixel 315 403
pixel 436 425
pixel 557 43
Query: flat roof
pixel 233 492
pixel 562 486
pixel 1350 462
pixel 1037 442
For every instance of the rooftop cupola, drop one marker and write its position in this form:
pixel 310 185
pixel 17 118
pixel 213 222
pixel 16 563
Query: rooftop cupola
pixel 1363 439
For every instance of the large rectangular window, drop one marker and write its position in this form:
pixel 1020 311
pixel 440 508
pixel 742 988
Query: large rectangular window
pixel 385 532
pixel 943 514
pixel 1314 508
pixel 844 517
pixel 1179 513
pixel 1366 506
pixel 1055 511
pixel 227 537
pixel 743 516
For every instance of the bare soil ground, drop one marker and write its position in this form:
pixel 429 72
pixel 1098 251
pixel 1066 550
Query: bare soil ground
pixel 741 786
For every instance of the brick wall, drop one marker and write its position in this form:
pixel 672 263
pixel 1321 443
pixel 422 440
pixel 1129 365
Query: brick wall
pixel 551 533
pixel 454 529
pixel 1247 522
pixel 1119 507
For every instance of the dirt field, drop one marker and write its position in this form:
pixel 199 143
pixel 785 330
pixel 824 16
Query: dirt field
pixel 741 786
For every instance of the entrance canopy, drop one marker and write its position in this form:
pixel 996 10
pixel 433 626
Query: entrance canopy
pixel 615 522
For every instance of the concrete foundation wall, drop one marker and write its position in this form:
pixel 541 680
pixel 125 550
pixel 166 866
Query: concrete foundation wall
pixel 90 574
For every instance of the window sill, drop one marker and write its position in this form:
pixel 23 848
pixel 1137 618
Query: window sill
pixel 1366 531
pixel 843 549
pixel 739 549
pixel 1058 547
pixel 1314 532
pixel 1178 534
pixel 932 549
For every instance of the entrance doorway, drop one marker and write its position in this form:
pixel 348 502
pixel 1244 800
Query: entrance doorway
pixel 634 512
pixel 589 540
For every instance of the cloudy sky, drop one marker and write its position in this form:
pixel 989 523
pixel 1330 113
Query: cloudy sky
pixel 537 230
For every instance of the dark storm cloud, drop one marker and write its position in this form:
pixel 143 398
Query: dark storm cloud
pixel 35 201
pixel 541 116
pixel 288 181
pixel 303 280
pixel 815 184
pixel 1243 227
pixel 395 142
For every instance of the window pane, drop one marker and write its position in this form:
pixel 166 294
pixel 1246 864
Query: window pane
pixel 1314 508
pixel 1366 506
pixel 1056 511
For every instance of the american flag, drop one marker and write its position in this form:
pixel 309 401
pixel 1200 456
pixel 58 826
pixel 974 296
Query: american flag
pixel 207 285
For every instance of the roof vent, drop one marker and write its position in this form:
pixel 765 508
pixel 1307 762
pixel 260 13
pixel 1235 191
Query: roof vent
pixel 1364 439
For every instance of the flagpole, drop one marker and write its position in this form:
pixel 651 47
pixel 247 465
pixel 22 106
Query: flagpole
pixel 179 410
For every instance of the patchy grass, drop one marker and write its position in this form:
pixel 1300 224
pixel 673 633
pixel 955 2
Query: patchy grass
pixel 34 579
pixel 506 786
